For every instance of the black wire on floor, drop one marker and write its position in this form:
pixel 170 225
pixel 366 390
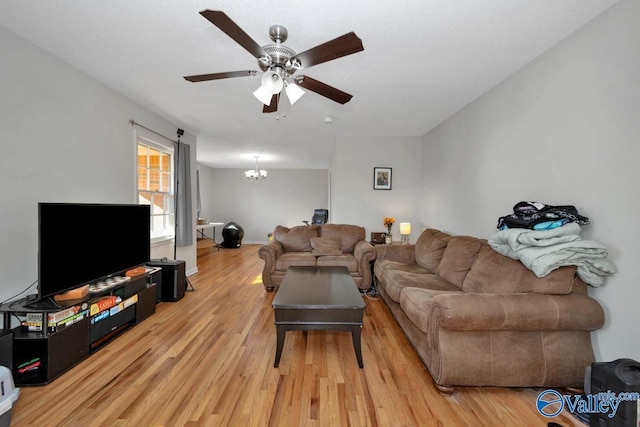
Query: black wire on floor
pixel 373 292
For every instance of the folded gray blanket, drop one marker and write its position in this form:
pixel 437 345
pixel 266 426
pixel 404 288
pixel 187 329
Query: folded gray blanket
pixel 545 251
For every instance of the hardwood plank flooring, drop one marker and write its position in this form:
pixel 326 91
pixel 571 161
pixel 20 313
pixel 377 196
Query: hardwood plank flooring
pixel 207 360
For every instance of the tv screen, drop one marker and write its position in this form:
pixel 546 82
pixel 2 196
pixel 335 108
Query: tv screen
pixel 80 243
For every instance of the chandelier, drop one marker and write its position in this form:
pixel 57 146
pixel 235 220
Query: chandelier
pixel 256 173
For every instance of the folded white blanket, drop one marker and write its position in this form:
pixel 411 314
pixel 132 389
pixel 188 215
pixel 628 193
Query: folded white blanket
pixel 514 239
pixel 545 251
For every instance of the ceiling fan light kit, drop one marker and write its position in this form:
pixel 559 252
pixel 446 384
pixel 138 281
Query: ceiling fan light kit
pixel 279 63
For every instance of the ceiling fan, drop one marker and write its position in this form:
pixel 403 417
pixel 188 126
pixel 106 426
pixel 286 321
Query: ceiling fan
pixel 279 63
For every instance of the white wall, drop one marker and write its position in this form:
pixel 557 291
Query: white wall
pixel 286 197
pixel 563 130
pixel 64 137
pixel 353 199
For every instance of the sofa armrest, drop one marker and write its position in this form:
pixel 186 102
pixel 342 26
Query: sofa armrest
pixel 364 253
pixel 518 311
pixel 271 250
pixel 269 253
pixel 405 254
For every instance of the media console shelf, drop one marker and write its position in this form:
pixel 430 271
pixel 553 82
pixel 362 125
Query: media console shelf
pixel 51 340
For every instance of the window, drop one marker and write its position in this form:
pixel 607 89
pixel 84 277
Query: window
pixel 155 185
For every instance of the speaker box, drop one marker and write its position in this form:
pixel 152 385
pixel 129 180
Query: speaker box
pixel 622 375
pixel 6 349
pixel 174 279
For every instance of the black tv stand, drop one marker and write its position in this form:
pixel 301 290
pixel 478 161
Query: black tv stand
pixel 54 335
pixel 46 304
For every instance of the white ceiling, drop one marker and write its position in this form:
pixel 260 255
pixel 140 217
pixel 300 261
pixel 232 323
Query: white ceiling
pixel 423 61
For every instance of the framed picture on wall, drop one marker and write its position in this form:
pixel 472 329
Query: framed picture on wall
pixel 381 178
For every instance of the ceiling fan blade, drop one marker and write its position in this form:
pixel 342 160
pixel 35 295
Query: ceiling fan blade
pixel 323 89
pixel 333 49
pixel 230 28
pixel 273 107
pixel 217 76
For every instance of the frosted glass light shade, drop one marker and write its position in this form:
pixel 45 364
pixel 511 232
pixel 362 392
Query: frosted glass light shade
pixel 293 92
pixel 263 95
pixel 272 82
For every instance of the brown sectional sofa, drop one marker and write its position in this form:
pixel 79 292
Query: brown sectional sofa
pixel 317 245
pixel 477 318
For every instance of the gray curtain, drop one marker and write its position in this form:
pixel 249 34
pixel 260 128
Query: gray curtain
pixel 184 215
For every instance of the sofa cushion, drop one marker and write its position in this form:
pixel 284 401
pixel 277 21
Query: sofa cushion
pixel 385 266
pixel 346 260
pixel 397 280
pixel 430 247
pixel 349 235
pixel 288 259
pixel 458 258
pixel 326 246
pixel 495 273
pixel 295 239
pixel 417 304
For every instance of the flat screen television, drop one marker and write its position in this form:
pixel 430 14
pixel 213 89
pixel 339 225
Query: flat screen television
pixel 79 243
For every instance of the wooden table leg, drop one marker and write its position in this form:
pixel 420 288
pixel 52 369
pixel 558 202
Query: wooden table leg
pixel 355 336
pixel 280 332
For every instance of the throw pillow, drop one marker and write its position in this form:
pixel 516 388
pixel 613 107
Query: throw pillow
pixel 325 246
pixel 295 239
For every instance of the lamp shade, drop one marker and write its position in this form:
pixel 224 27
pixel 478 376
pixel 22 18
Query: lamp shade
pixel 405 228
pixel 263 95
pixel 293 92
pixel 272 82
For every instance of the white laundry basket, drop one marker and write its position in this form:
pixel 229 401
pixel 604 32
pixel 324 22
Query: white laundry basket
pixel 8 396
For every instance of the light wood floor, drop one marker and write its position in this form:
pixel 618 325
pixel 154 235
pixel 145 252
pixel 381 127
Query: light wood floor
pixel 207 360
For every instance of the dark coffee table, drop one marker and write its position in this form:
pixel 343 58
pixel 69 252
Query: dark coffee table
pixel 318 298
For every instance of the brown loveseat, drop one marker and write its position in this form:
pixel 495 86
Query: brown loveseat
pixel 477 318
pixel 317 245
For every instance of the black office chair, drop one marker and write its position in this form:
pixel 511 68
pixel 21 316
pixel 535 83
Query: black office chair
pixel 320 216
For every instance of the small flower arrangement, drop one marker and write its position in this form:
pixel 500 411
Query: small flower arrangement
pixel 388 222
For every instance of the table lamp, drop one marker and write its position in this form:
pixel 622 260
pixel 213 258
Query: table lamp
pixel 405 231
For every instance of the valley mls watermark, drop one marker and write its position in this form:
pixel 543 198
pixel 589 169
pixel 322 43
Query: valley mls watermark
pixel 551 403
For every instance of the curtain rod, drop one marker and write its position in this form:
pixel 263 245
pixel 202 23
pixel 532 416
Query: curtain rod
pixel 134 123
